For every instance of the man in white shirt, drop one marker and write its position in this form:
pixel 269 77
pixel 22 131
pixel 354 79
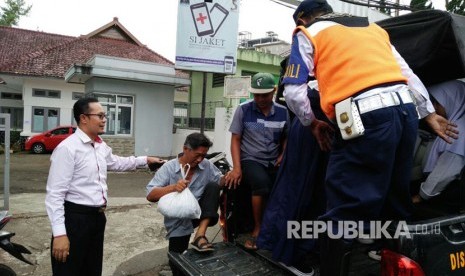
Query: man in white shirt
pixel 77 192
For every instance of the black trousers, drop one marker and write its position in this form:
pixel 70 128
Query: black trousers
pixel 178 245
pixel 259 177
pixel 209 203
pixel 85 227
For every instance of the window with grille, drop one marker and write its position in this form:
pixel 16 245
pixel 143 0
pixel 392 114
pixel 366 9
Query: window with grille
pixel 218 80
pixel 46 93
pixel 44 118
pixel 11 96
pixel 119 110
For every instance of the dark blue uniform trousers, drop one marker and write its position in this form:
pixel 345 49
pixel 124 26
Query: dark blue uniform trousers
pixel 368 178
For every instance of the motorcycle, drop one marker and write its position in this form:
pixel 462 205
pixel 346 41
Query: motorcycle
pixel 219 160
pixel 228 197
pixel 14 249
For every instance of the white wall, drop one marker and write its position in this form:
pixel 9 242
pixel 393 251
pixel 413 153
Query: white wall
pixel 220 137
pixel 180 136
pixel 154 120
pixel 153 112
pixel 65 103
pixel 11 103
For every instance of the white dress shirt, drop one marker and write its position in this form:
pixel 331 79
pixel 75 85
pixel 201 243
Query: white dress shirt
pixel 78 173
pixel 296 94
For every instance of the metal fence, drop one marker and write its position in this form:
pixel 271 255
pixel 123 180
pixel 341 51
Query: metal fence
pixel 188 116
pixel 5 127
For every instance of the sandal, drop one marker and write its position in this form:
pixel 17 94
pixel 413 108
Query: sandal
pixel 251 243
pixel 202 247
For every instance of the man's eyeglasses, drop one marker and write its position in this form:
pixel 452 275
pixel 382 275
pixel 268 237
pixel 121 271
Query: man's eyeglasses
pixel 101 116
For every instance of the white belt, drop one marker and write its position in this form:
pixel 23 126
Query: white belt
pixel 384 99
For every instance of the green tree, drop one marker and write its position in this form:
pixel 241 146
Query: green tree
pixel 456 6
pixel 9 15
pixel 421 5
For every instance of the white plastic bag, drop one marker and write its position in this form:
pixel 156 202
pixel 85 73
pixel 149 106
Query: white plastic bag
pixel 182 205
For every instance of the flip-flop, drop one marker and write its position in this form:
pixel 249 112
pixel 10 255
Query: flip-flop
pixel 251 243
pixel 202 247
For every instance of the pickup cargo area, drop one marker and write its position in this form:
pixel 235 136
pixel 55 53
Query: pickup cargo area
pixel 227 259
pixel 433 44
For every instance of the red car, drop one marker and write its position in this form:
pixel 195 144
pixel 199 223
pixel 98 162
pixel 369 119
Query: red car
pixel 48 140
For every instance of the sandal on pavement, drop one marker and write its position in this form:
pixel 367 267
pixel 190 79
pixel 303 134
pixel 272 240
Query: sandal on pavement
pixel 251 243
pixel 202 247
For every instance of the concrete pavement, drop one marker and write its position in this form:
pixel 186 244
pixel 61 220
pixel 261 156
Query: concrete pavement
pixel 134 239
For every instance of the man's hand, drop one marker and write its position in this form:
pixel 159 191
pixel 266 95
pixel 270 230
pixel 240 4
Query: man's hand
pixel 154 163
pixel 323 133
pixel 181 185
pixel 445 129
pixel 60 248
pixel 233 178
pixel 279 160
pixel 154 160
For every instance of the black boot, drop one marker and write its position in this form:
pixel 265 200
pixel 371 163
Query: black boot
pixel 334 256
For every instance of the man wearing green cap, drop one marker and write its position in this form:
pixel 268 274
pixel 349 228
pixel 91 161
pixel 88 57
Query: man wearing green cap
pixel 259 133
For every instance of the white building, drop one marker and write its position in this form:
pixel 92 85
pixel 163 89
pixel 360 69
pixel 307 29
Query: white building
pixel 44 74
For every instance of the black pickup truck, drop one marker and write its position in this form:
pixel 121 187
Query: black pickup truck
pixel 433 44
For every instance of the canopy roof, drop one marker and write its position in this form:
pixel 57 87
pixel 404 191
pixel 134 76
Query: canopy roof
pixel 432 43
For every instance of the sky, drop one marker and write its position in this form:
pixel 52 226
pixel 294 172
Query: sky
pixel 152 22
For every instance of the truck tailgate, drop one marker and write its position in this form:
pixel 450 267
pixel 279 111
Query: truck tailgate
pixel 227 259
pixel 438 245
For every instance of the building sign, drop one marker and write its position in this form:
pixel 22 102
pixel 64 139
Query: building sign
pixel 236 87
pixel 207 36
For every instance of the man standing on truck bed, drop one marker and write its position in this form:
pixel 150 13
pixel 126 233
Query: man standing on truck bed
pixel 368 175
pixel 258 136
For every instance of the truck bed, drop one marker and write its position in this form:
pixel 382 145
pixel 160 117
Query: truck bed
pixel 232 259
pixel 227 259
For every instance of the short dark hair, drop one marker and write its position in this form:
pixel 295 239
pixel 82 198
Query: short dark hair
pixel 197 139
pixel 81 106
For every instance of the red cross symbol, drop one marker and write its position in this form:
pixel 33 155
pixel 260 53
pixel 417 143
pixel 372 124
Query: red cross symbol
pixel 201 18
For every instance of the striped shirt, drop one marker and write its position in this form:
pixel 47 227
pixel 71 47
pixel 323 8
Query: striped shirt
pixel 261 135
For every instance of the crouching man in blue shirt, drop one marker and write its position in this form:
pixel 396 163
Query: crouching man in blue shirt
pixel 204 181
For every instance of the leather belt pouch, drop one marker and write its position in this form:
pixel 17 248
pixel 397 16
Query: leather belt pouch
pixel 348 119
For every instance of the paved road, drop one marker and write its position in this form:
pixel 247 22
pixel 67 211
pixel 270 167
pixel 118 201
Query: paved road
pixel 134 237
pixel 28 173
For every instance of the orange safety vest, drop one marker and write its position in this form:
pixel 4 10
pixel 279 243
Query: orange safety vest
pixel 350 59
